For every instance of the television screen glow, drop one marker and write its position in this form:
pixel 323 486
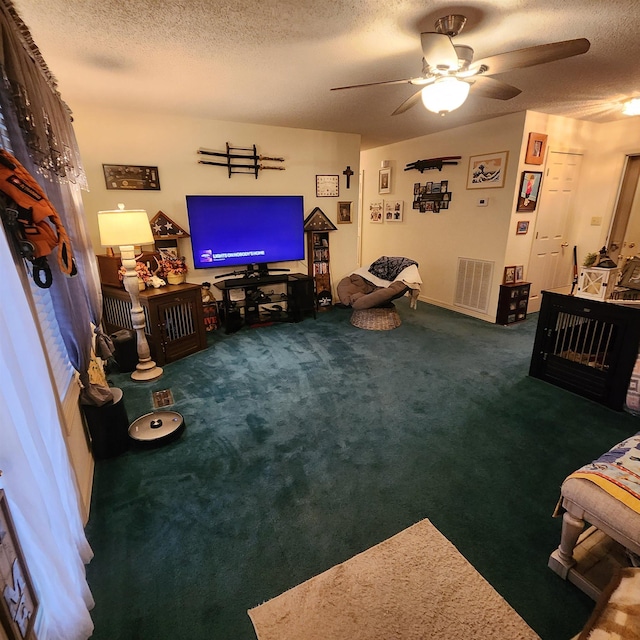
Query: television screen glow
pixel 229 231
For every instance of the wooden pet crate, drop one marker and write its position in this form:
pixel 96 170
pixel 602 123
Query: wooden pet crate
pixel 586 346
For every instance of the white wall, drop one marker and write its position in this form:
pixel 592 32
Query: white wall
pixel 170 142
pixel 602 175
pixel 488 233
pixel 465 230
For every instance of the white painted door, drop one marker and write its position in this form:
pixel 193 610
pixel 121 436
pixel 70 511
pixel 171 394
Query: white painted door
pixel 551 260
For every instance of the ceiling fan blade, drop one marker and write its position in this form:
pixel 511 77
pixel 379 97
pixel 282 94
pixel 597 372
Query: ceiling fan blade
pixel 373 84
pixel 438 51
pixel 493 88
pixel 407 104
pixel 531 56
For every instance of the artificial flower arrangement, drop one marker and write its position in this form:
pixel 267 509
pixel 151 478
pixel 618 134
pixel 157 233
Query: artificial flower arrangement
pixel 175 265
pixel 142 271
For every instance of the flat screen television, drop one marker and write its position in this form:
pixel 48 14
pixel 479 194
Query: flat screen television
pixel 245 230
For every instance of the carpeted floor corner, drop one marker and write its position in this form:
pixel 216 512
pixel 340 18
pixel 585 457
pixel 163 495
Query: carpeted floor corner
pixel 308 443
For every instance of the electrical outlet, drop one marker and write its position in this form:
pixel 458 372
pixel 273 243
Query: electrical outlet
pixel 482 202
pixel 596 221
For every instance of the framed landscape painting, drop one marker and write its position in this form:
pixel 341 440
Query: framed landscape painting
pixel 487 171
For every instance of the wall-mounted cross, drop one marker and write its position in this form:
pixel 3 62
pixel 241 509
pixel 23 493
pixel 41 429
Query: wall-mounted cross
pixel 347 172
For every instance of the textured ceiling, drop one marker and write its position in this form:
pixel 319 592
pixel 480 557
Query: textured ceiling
pixel 274 61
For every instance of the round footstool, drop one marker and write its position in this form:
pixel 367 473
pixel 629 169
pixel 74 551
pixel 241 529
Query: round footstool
pixel 376 319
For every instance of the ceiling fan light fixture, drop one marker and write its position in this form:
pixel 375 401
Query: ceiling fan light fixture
pixel 445 95
pixel 631 107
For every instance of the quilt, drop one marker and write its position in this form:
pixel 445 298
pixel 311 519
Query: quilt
pixel 617 472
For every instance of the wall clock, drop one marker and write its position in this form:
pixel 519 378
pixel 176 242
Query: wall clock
pixel 327 186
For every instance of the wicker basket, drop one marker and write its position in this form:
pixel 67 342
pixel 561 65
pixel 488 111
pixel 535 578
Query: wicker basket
pixel 376 319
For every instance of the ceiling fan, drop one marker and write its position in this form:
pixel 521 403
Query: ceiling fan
pixel 449 71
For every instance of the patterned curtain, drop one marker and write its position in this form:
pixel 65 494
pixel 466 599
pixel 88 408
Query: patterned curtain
pixel 40 132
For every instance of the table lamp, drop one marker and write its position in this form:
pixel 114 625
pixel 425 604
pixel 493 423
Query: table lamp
pixel 126 229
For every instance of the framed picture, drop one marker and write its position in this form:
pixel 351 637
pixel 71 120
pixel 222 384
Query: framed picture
pixel 344 212
pixel 131 177
pixel 522 228
pixel 529 189
pixel 327 186
pixel 168 253
pixel 487 171
pixel 375 211
pixel 519 273
pixel 18 601
pixel 393 210
pixel 536 147
pixel 509 275
pixel 384 180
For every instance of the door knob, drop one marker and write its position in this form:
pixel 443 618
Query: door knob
pixel 564 245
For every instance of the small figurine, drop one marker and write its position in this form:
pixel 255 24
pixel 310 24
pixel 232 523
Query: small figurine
pixel 207 296
pixel 210 307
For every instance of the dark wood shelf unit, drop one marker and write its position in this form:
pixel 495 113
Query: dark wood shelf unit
pixel 173 315
pixel 256 308
pixel 588 347
pixel 512 303
pixel 318 258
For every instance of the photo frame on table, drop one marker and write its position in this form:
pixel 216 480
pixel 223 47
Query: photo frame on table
pixel 384 180
pixel 536 148
pixel 376 211
pixel 344 213
pixel 522 227
pixel 519 274
pixel 487 171
pixel 393 210
pixel 18 600
pixel 529 190
pixel 509 275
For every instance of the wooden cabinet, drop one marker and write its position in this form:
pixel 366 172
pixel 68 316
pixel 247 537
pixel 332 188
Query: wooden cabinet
pixel 318 260
pixel 174 319
pixel 512 302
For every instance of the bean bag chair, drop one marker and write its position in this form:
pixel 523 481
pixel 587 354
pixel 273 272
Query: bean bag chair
pixel 354 291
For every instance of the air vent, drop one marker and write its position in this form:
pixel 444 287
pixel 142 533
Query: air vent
pixel 473 284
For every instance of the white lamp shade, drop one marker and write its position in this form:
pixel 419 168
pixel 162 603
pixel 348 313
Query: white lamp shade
pixel 445 94
pixel 121 228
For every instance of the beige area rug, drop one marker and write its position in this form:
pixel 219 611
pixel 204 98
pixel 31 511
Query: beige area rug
pixel 415 585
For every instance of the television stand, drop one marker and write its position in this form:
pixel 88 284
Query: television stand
pixel 252 271
pixel 259 307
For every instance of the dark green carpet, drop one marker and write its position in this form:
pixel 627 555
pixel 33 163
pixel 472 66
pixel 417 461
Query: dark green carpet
pixel 308 443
